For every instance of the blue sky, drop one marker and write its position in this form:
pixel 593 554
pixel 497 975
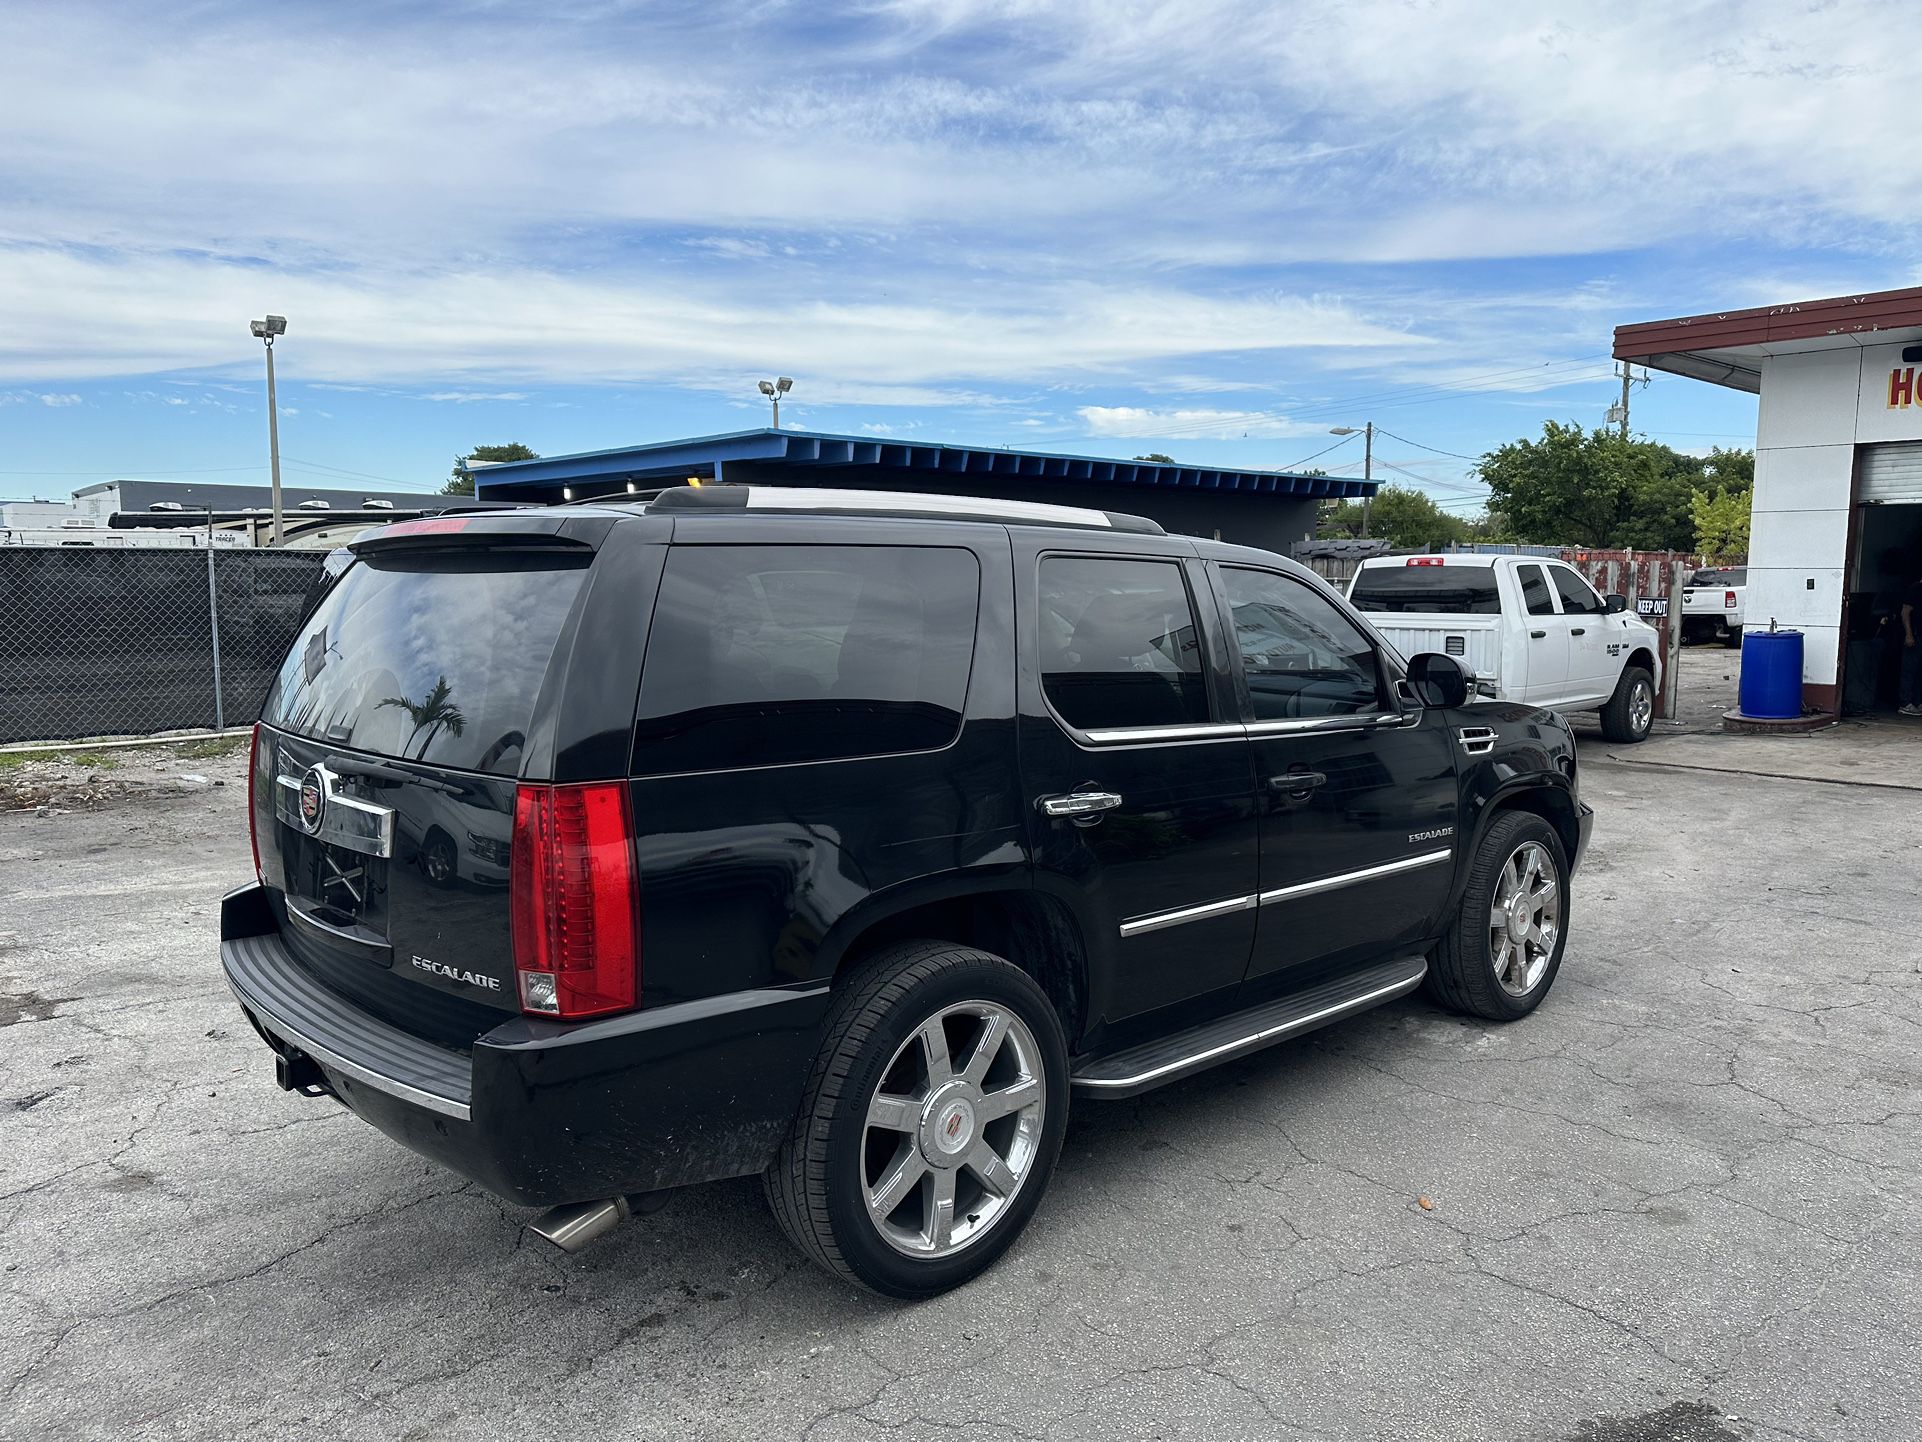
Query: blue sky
pixel 1204 228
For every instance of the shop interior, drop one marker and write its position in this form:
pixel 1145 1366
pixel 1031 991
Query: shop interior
pixel 1888 555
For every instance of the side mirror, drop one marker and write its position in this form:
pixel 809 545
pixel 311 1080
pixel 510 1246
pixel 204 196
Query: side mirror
pixel 1617 602
pixel 1438 680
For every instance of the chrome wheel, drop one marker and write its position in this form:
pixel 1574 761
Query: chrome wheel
pixel 437 861
pixel 1525 918
pixel 953 1129
pixel 1641 707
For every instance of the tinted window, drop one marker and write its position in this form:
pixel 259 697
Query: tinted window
pixel 1302 656
pixel 1118 643
pixel 1735 576
pixel 767 655
pixel 1450 590
pixel 434 656
pixel 1578 597
pixel 1535 591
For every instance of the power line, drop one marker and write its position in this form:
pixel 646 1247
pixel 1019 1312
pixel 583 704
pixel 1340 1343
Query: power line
pixel 1466 385
pixel 1335 447
pixel 1419 446
pixel 340 470
pixel 133 472
pixel 1425 480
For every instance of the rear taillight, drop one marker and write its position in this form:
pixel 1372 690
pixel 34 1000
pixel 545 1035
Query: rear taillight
pixel 577 947
pixel 1728 601
pixel 253 823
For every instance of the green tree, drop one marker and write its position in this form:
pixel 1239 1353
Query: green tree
pixel 462 484
pixel 1157 456
pixel 1720 510
pixel 1402 516
pixel 1576 487
pixel 1721 524
pixel 1731 469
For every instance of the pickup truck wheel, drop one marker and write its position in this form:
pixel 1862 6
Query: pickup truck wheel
pixel 931 1121
pixel 1732 638
pixel 1500 956
pixel 1631 710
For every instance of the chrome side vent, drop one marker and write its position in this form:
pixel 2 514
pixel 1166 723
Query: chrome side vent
pixel 1477 740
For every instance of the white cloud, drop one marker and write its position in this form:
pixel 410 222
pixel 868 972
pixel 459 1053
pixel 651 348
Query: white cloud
pixel 469 397
pixel 937 199
pixel 68 399
pixel 72 315
pixel 1193 425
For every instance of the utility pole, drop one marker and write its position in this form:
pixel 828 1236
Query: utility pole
pixel 273 325
pixel 1367 465
pixel 1618 414
pixel 1367 473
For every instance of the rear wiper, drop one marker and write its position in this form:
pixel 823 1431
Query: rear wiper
pixel 344 766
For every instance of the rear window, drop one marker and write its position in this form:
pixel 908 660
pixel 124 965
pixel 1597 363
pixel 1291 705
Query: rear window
pixel 433 656
pixel 770 655
pixel 1729 577
pixel 1449 590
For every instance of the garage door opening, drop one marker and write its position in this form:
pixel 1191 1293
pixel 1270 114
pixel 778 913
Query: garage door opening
pixel 1886 558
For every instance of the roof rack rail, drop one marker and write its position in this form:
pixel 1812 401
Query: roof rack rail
pixel 776 499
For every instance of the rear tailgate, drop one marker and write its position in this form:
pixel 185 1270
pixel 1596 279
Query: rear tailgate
pixel 1475 640
pixel 1451 604
pixel 391 747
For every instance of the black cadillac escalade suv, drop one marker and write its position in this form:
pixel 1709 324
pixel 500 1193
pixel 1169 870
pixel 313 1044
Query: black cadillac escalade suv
pixel 843 837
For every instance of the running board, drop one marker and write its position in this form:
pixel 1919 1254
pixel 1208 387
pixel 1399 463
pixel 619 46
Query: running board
pixel 1168 1058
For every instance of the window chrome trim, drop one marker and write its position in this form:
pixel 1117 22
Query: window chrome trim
pixel 1350 878
pixel 1135 735
pixel 1156 920
pixel 1370 721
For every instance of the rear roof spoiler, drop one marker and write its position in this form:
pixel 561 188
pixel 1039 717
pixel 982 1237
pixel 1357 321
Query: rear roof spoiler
pixel 539 528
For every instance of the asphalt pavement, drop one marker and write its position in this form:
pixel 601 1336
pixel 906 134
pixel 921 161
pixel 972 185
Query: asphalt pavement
pixel 1681 1201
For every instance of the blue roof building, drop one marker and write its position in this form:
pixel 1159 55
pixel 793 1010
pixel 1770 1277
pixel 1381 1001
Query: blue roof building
pixel 1253 507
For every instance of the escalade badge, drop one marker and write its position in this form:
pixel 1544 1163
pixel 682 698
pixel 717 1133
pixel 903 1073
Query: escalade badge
pixel 313 799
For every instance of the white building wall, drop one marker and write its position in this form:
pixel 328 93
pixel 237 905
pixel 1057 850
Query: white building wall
pixel 1816 408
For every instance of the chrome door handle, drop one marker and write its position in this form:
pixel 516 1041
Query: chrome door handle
pixel 1298 783
pixel 1078 803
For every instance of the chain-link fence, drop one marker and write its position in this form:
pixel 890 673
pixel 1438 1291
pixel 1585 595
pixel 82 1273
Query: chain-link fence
pixel 122 642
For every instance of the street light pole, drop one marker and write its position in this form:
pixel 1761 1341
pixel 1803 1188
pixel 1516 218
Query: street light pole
pixel 774 390
pixel 273 325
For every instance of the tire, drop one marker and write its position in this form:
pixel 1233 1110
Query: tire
pixel 1463 968
pixel 838 1155
pixel 1631 710
pixel 1732 638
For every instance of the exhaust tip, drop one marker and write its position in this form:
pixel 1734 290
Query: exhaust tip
pixel 573 1226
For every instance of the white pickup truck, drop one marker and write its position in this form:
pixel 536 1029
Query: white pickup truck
pixel 1712 604
pixel 1527 628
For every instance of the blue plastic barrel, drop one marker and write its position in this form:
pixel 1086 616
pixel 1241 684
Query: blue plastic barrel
pixel 1771 674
